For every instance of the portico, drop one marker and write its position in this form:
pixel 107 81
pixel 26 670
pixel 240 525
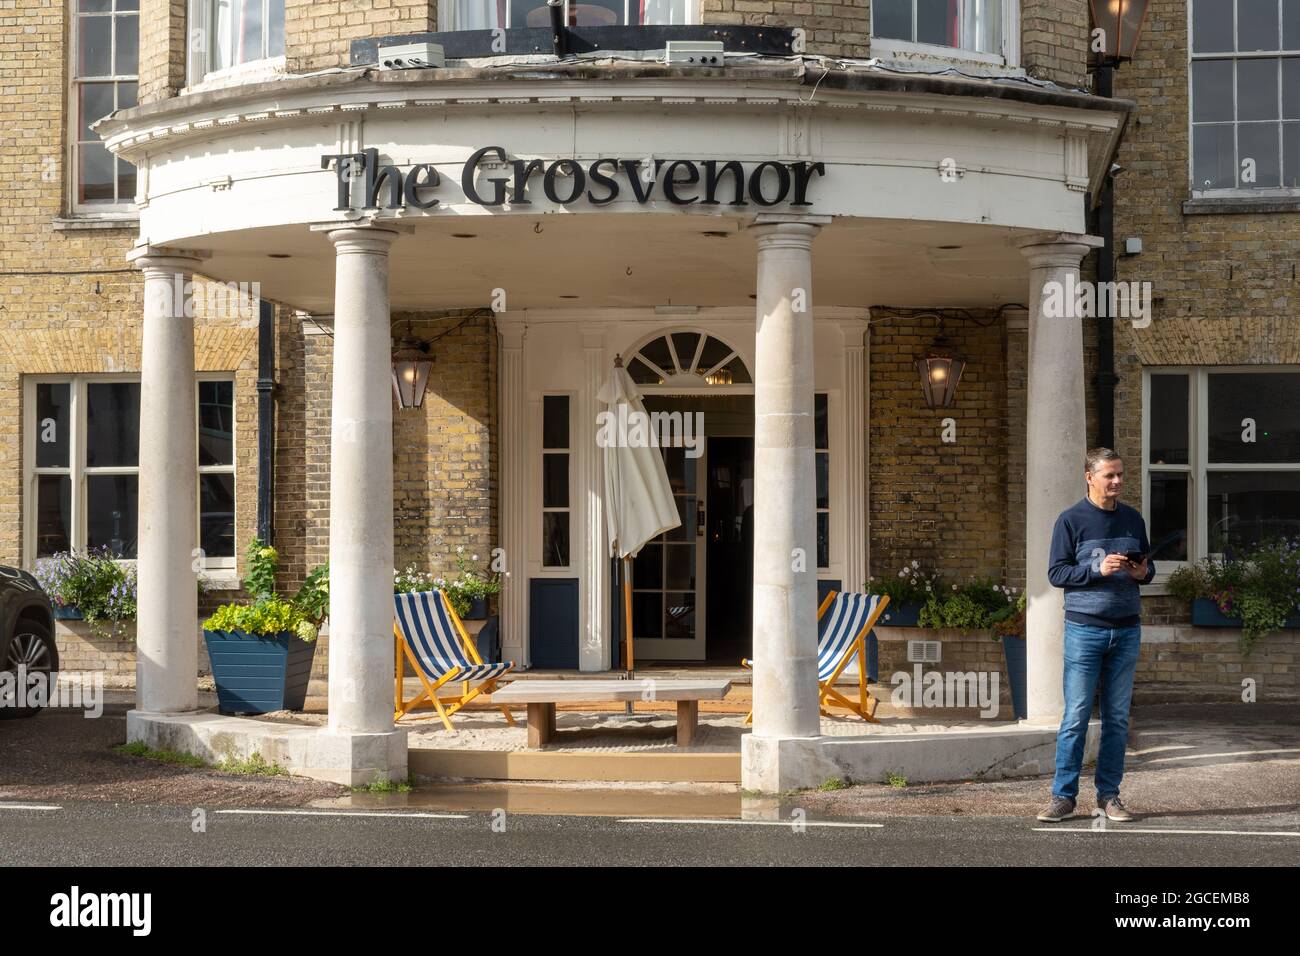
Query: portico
pixel 839 206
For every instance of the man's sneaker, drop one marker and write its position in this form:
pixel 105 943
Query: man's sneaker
pixel 1061 808
pixel 1114 810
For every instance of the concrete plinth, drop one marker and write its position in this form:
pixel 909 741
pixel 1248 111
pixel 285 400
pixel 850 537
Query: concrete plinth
pixel 352 759
pixel 776 765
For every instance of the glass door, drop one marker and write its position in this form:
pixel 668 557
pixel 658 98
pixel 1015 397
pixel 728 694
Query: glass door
pixel 668 611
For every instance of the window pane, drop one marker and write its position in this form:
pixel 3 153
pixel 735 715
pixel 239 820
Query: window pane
pixel 1246 509
pixel 596 13
pixel 1259 142
pixel 555 421
pixel 126 95
pixel 250 31
pixel 555 539
pixel 1214 163
pixel 96 103
pixel 1212 26
pixel 1271 402
pixel 217 515
pixel 680 469
pixel 892 19
pixel 1168 517
pixel 657 352
pixel 53 413
pixel 111 515
pixel 648 568
pixel 685 531
pixel 641 373
pixel 739 374
pixel 823 480
pixel 686 343
pixel 275 29
pixel 1169 424
pixel 480 15
pixel 1291 24
pixel 1291 88
pixel 660 12
pixel 823 539
pixel 95 46
pixel 555 481
pixel 125 181
pixel 128 4
pixel 982 29
pixel 936 22
pixel 53 514
pixel 94 174
pixel 127 55
pixel 821 430
pixel 679 616
pixel 679 568
pixel 94 6
pixel 1257 89
pixel 216 423
pixel 1256 25
pixel 647 615
pixel 1291 154
pixel 113 424
pixel 529 13
pixel 1212 91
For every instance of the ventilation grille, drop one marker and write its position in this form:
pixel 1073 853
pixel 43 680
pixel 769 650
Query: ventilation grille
pixel 924 652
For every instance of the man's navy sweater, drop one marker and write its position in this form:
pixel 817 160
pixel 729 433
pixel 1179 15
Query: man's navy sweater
pixel 1083 536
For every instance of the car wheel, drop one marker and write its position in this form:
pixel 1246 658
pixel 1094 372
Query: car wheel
pixel 32 649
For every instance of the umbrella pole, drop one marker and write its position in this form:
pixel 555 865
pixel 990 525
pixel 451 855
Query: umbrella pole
pixel 627 625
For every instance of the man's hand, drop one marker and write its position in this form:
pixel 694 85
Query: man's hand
pixel 1114 563
pixel 1138 571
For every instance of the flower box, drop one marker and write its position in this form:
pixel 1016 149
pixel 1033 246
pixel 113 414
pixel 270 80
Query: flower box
pixel 1015 655
pixel 1206 613
pixel 478 609
pixel 902 615
pixel 66 612
pixel 257 674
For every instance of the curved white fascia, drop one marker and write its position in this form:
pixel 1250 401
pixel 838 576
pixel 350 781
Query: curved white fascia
pixel 255 162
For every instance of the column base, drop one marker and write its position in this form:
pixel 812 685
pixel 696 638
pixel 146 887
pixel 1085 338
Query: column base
pixel 779 764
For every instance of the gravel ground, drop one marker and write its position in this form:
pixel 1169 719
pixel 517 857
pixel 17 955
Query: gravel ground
pixel 59 755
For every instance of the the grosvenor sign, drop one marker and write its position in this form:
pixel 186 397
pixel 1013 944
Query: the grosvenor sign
pixel 680 182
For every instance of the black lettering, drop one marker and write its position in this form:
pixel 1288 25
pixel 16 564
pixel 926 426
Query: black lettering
pixel 579 181
pixel 609 182
pixel 756 183
pixel 712 176
pixel 522 172
pixel 803 174
pixel 344 163
pixel 376 175
pixel 671 182
pixel 413 183
pixel 467 178
pixel 630 169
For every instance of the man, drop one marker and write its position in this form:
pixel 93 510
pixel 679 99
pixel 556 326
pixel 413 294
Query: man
pixel 1099 555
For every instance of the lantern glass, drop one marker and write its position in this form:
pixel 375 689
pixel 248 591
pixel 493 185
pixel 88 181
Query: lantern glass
pixel 940 372
pixel 411 368
pixel 1121 23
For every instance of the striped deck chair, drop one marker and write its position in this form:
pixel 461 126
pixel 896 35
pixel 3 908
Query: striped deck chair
pixel 431 636
pixel 843 621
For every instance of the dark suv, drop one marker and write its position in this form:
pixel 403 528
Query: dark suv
pixel 26 636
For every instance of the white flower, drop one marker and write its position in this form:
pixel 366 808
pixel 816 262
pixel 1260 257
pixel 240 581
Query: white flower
pixel 916 564
pixel 927 587
pixel 954 587
pixel 902 574
pixel 460 549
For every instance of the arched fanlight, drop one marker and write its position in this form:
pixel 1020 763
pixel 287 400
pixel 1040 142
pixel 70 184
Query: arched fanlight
pixel 941 368
pixel 412 364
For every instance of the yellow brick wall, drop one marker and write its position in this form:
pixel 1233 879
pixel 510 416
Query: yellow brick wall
pixel 318 33
pixel 1054 40
pixel 162 49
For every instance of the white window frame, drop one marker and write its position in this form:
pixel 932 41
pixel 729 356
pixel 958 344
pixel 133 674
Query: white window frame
pixel 198 57
pixel 889 48
pixel 122 208
pixel 1235 192
pixel 447 14
pixel 79 472
pixel 1198 464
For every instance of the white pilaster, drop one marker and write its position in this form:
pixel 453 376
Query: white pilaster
pixel 855 454
pixel 1056 441
pixel 594 650
pixel 167 602
pixel 513 411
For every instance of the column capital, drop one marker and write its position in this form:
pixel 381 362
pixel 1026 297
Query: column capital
pixel 165 258
pixel 773 230
pixel 1057 249
pixel 352 238
pixel 855 330
pixel 512 328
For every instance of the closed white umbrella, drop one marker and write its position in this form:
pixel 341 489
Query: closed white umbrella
pixel 639 503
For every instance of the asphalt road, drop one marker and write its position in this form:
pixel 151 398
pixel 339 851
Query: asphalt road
pixel 106 834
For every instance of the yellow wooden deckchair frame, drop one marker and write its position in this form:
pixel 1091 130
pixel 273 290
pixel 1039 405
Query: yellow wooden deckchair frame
pixel 865 705
pixel 428 697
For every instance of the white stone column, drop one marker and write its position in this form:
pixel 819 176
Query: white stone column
pixel 785 553
pixel 167 601
pixel 513 438
pixel 594 651
pixel 1056 440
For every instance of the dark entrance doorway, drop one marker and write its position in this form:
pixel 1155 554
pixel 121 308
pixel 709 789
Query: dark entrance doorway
pixel 730 549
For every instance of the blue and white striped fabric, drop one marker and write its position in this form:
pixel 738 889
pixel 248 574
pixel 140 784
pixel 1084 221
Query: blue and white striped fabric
pixel 429 632
pixel 837 629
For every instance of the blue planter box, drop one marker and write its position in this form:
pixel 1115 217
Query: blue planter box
pixel 1206 613
pixel 478 610
pixel 901 615
pixel 66 612
pixel 257 674
pixel 1013 652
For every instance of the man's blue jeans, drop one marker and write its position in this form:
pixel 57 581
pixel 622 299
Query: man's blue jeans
pixel 1105 656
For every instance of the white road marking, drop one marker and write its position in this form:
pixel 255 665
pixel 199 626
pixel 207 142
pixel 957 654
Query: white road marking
pixel 348 813
pixel 28 806
pixel 1122 828
pixel 751 823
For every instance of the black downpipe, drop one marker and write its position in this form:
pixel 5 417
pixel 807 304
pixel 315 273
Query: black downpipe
pixel 559 33
pixel 1106 379
pixel 265 419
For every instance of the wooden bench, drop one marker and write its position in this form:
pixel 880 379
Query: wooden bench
pixel 541 696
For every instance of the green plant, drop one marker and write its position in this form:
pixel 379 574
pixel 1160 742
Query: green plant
pixel 383 784
pixel 262 562
pixel 1262 587
pixel 97 585
pixel 138 748
pixel 1010 621
pixel 313 598
pixel 267 616
pixel 977 605
pixel 269 613
pixel 895 779
pixel 835 783
pixel 256 765
pixel 911 585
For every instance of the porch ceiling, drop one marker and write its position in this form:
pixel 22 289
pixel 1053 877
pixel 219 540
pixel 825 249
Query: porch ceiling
pixel 614 261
